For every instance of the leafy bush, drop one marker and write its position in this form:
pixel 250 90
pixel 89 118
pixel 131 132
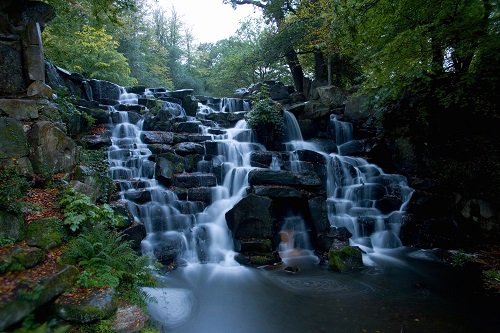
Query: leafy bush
pixel 107 260
pixel 80 212
pixel 69 112
pixel 266 115
pixel 12 188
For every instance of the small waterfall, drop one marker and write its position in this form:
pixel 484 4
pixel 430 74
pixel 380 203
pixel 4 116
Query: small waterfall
pixel 233 105
pixel 275 165
pixel 295 239
pixel 365 200
pixel 360 196
pixel 128 98
pixel 342 130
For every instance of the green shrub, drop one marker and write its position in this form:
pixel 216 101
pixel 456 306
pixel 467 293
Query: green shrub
pixel 266 115
pixel 80 212
pixel 12 188
pixel 67 109
pixel 106 260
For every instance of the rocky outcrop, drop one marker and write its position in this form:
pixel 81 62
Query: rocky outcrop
pixel 53 150
pixel 21 51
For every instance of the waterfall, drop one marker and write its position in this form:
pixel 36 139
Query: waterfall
pixel 360 196
pixel 180 230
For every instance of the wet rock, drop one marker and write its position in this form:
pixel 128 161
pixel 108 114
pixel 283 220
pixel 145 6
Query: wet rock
pixel 95 142
pixel 251 218
pixel 344 258
pixel 276 191
pixel 157 137
pixel 86 306
pixel 189 148
pixel 197 179
pixel 270 177
pixel 129 318
pixel 202 194
pixel 104 91
pixel 134 233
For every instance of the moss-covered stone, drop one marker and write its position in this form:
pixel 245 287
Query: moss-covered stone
pixel 345 259
pixel 12 139
pixel 11 225
pixel 87 305
pixel 53 285
pixel 19 258
pixel 45 233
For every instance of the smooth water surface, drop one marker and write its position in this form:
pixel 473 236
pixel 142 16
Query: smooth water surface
pixel 403 291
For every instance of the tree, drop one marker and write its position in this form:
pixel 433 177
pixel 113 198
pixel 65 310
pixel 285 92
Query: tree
pixel 276 11
pixel 97 58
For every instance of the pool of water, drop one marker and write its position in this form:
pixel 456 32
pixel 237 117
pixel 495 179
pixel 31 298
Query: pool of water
pixel 399 290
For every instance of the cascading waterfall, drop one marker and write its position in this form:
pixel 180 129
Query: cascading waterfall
pixel 177 228
pixel 361 197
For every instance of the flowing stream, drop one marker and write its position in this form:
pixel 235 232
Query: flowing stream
pixel 400 289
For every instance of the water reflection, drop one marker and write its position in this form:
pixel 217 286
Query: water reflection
pixel 402 291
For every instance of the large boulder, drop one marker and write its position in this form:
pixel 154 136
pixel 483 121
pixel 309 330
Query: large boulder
pixel 53 150
pixel 251 217
pixel 344 258
pixel 332 96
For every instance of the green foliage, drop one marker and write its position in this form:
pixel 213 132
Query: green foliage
pixel 460 258
pixel 97 58
pixel 12 188
pixel 266 114
pixel 80 212
pixel 67 109
pixel 106 260
pixel 31 292
pixel 30 326
pixel 5 240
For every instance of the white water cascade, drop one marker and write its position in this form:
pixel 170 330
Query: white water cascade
pixel 185 230
pixel 360 196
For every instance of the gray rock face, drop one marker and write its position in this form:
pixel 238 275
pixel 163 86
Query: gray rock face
pixel 13 141
pixel 21 52
pixel 52 150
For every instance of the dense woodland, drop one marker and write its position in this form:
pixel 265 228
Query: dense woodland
pixel 430 68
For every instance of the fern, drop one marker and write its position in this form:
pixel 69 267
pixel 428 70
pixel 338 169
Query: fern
pixel 106 259
pixel 79 211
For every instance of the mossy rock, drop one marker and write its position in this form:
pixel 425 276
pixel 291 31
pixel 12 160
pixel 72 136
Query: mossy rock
pixel 20 258
pixel 11 225
pixel 346 259
pixel 87 305
pixel 45 233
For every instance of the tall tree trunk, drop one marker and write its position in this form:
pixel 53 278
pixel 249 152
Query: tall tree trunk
pixel 320 69
pixel 296 70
